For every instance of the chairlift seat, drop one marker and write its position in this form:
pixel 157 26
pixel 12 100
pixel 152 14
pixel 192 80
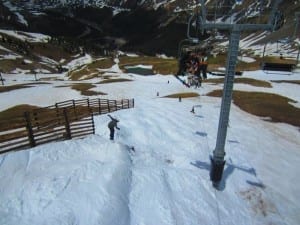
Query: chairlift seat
pixel 286 67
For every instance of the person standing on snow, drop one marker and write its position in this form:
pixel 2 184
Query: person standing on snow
pixel 112 125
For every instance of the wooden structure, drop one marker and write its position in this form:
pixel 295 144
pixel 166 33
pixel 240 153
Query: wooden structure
pixel 62 121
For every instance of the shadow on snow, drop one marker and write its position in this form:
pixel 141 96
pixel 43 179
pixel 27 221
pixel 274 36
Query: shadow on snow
pixel 229 169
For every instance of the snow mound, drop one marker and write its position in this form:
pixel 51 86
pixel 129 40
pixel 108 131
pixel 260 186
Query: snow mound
pixel 89 177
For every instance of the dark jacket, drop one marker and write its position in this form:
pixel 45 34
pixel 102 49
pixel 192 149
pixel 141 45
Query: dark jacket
pixel 113 123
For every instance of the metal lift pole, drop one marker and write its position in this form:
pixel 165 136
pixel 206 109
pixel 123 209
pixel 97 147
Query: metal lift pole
pixel 217 161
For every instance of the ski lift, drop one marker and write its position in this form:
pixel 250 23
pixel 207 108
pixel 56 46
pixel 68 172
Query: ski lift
pixel 235 29
pixel 195 41
pixel 281 65
pixel 198 38
pixel 277 22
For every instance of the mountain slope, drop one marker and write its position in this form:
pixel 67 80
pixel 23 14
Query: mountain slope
pixel 141 25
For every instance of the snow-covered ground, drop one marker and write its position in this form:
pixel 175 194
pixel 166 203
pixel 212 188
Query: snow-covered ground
pixel 165 180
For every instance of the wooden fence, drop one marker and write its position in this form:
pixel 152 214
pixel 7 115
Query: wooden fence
pixel 65 120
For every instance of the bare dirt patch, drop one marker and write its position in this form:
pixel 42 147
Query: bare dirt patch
pixel 16 111
pixel 275 107
pixel 250 81
pixel 287 81
pixel 114 80
pixel 160 65
pixel 84 89
pixel 13 87
pixel 258 203
pixel 183 95
pixel 91 70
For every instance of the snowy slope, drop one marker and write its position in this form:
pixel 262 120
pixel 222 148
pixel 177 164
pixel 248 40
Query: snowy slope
pixel 166 179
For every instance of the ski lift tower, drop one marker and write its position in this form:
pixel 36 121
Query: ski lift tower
pixel 235 29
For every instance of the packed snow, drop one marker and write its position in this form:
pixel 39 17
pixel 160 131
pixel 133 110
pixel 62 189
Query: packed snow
pixel 156 171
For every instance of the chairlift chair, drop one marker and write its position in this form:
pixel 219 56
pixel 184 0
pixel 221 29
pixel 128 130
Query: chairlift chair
pixel 193 42
pixel 284 67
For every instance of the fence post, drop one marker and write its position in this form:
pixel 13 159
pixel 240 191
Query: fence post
pixel 93 123
pixel 74 108
pixel 67 125
pixel 88 103
pixel 57 113
pixel 116 106
pixel 133 103
pixel 122 103
pixel 99 103
pixel 108 105
pixel 1 78
pixel 36 120
pixel 29 129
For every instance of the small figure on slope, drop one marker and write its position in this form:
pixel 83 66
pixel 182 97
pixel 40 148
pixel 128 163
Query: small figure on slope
pixel 112 125
pixel 193 110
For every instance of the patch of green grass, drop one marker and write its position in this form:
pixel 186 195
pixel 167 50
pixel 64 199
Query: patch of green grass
pixel 9 65
pixel 273 59
pixel 13 87
pixel 275 107
pixel 160 65
pixel 62 86
pixel 244 66
pixel 14 117
pixel 250 81
pixel 253 82
pixel 51 79
pixel 104 63
pixel 36 83
pixel 16 111
pixel 287 81
pixel 51 51
pixel 113 80
pixel 84 89
pixel 91 70
pixel 78 73
pixel 19 86
pixel 182 95
pixel 220 61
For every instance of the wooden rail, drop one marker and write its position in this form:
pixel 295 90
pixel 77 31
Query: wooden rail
pixel 64 120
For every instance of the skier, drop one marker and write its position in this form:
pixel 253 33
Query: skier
pixel 193 110
pixel 112 125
